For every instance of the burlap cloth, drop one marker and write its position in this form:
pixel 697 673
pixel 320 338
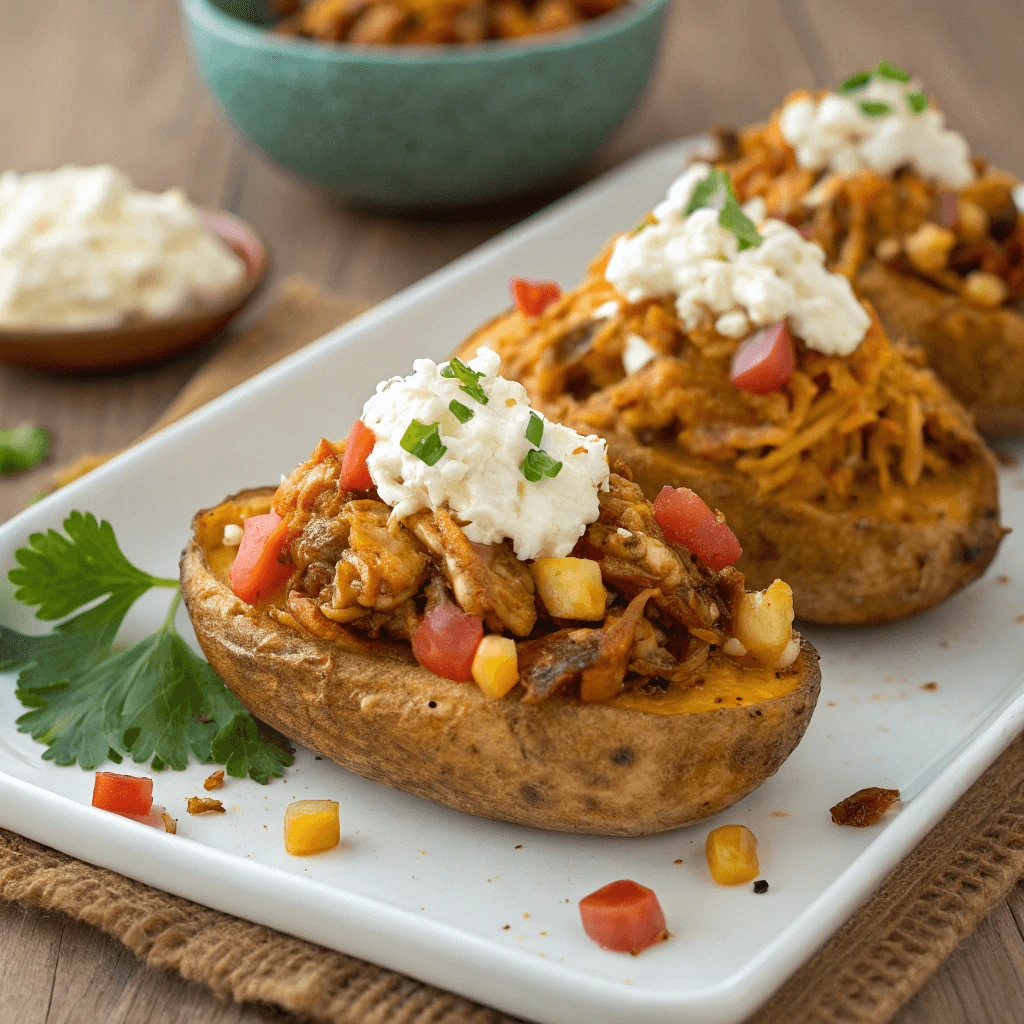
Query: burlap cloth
pixel 870 968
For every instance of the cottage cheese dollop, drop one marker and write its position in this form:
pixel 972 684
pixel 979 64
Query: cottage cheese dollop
pixel 700 262
pixel 79 247
pixel 479 477
pixel 832 133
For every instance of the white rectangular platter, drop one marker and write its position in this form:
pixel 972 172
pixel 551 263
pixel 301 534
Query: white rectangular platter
pixel 480 907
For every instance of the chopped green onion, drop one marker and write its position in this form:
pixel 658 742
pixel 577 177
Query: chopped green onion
pixel 886 70
pixel 535 430
pixel 874 108
pixel 459 411
pixel 855 81
pixel 731 216
pixel 539 464
pixel 470 379
pixel 917 102
pixel 424 442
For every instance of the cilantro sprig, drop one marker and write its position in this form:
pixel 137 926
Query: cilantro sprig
pixel 717 188
pixel 916 101
pixel 156 701
pixel 424 441
pixel 470 379
pixel 22 448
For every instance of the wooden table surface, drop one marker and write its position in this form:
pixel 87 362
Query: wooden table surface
pixel 110 81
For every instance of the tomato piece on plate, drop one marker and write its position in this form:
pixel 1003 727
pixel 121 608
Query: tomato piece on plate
pixel 623 916
pixel 446 642
pixel 533 297
pixel 685 519
pixel 122 794
pixel 355 474
pixel 764 362
pixel 258 570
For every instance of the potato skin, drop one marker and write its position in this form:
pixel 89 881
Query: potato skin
pixel 978 353
pixel 561 765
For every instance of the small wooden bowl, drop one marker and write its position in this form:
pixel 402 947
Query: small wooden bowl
pixel 142 340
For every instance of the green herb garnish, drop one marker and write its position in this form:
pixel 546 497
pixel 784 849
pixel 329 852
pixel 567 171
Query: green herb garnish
pixel 22 448
pixel 461 412
pixel 917 102
pixel 424 441
pixel 855 82
pixel 883 69
pixel 539 464
pixel 731 215
pixel 470 379
pixel 157 700
pixel 874 108
pixel 535 430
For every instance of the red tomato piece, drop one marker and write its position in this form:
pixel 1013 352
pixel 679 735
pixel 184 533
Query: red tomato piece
pixel 355 474
pixel 122 794
pixel 949 208
pixel 764 362
pixel 258 570
pixel 533 297
pixel 685 519
pixel 623 916
pixel 446 641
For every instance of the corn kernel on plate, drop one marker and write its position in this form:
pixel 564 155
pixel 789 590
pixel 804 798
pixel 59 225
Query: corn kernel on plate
pixel 485 908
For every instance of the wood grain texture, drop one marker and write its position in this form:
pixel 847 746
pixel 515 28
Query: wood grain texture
pixel 111 81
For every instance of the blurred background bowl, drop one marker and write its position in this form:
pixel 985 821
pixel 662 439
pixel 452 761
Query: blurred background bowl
pixel 427 126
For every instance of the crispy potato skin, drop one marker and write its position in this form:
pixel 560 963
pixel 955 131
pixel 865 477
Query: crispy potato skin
pixel 560 765
pixel 978 353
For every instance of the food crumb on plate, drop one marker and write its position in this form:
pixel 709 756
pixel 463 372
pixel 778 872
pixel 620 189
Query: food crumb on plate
pixel 678 860
pixel 761 886
pixel 780 814
pixel 214 781
pixel 1003 579
pixel 505 927
pixel 932 686
pixel 204 805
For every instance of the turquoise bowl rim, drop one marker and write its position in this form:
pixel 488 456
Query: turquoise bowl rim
pixel 243 33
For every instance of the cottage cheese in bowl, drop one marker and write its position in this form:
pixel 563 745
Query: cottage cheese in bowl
pixel 80 247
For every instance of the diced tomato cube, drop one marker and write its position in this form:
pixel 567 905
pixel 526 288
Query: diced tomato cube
pixel 764 362
pixel 122 794
pixel 258 569
pixel 533 297
pixel 623 916
pixel 446 642
pixel 685 519
pixel 355 474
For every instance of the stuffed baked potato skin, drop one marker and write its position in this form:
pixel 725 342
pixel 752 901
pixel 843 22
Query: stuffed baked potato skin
pixel 978 353
pixel 560 765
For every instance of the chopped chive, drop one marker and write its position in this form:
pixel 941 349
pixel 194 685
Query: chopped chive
pixel 424 442
pixel 459 411
pixel 855 82
pixel 539 464
pixel 917 102
pixel 874 108
pixel 535 430
pixel 470 379
pixel 886 70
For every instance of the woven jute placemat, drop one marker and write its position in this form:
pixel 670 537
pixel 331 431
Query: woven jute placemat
pixel 873 965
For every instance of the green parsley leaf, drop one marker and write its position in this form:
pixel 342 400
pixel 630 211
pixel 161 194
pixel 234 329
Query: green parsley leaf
pixel 423 441
pixel 459 411
pixel 731 215
pixel 855 81
pixel 22 448
pixel 917 102
pixel 470 379
pixel 535 430
pixel 539 464
pixel 874 108
pixel 705 191
pixel 733 219
pixel 883 69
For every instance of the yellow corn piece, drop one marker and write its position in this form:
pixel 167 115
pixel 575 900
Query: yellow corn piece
pixel 496 665
pixel 311 826
pixel 570 588
pixel 732 854
pixel 763 622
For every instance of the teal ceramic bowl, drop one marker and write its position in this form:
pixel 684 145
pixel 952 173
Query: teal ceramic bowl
pixel 427 126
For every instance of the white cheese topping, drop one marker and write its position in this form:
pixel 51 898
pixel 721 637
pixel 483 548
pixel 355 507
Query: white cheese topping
pixel 700 262
pixel 479 478
pixel 79 247
pixel 832 133
pixel 637 354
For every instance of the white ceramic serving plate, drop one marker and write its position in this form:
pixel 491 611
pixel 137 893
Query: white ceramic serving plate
pixel 480 907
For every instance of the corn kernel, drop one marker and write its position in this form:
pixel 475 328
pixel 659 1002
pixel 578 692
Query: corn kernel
pixel 570 588
pixel 496 666
pixel 984 289
pixel 972 221
pixel 311 826
pixel 732 854
pixel 928 248
pixel 763 623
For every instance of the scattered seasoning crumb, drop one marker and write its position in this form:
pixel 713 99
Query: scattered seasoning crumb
pixel 215 781
pixel 1002 579
pixel 761 886
pixel 544 934
pixel 318 758
pixel 678 860
pixel 520 846
pixel 865 807
pixel 930 686
pixel 505 927
pixel 1019 619
pixel 780 814
pixel 832 704
pixel 943 643
pixel 526 914
pixel 170 825
pixel 204 805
